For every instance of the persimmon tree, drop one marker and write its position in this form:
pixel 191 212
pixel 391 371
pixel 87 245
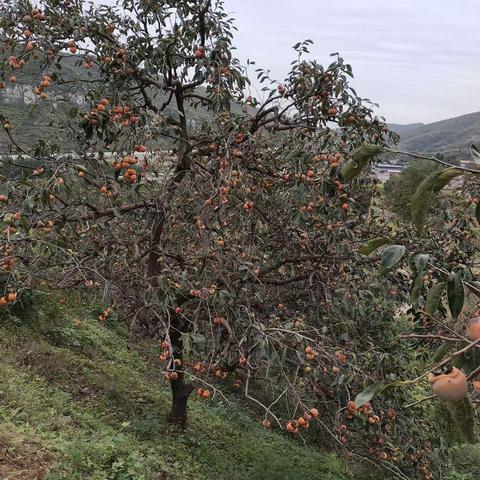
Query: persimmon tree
pixel 199 229
pixel 226 223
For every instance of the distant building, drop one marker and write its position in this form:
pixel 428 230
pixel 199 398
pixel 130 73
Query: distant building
pixel 383 172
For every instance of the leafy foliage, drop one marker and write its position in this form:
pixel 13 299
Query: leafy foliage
pixel 358 161
pixel 425 194
pixel 399 189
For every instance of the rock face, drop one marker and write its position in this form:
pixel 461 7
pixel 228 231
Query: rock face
pixel 15 94
pixel 22 94
pixel 28 113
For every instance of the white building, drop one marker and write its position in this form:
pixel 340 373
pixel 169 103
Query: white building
pixel 384 171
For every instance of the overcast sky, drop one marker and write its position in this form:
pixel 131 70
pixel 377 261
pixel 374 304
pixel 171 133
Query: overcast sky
pixel 419 59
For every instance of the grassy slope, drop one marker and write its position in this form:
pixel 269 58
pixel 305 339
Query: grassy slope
pixel 76 402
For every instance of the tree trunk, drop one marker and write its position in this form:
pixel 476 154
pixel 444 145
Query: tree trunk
pixel 180 390
pixel 158 223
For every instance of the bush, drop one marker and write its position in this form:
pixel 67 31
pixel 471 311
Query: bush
pixel 399 189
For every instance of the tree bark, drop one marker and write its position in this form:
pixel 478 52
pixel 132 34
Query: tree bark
pixel 180 390
pixel 154 269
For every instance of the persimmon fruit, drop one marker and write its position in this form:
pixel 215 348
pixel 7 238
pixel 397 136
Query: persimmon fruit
pixel 451 386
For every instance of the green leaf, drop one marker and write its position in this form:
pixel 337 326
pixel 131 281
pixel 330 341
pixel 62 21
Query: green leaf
pixel 359 159
pixel 442 351
pixel 463 416
pixel 477 212
pixel 475 153
pixel 372 245
pixel 261 349
pixel 368 394
pixel 443 177
pixel 455 294
pixel 5 188
pixel 187 343
pixel 198 338
pixel 425 194
pixel 392 255
pixel 116 211
pixel 73 112
pixel 416 290
pixel 419 261
pixel 433 297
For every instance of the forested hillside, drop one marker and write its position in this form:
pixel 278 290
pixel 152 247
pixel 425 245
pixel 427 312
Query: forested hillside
pixel 451 136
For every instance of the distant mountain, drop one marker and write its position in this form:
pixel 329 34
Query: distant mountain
pixel 403 129
pixel 452 137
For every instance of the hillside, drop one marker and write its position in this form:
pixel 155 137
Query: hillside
pixel 404 129
pixel 79 400
pixel 451 136
pixel 34 119
pixel 82 400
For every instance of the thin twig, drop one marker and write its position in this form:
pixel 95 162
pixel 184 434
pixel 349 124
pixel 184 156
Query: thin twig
pixel 473 373
pixel 424 399
pixel 431 337
pixel 434 159
pixel 449 359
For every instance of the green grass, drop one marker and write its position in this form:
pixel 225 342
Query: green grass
pixel 81 402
